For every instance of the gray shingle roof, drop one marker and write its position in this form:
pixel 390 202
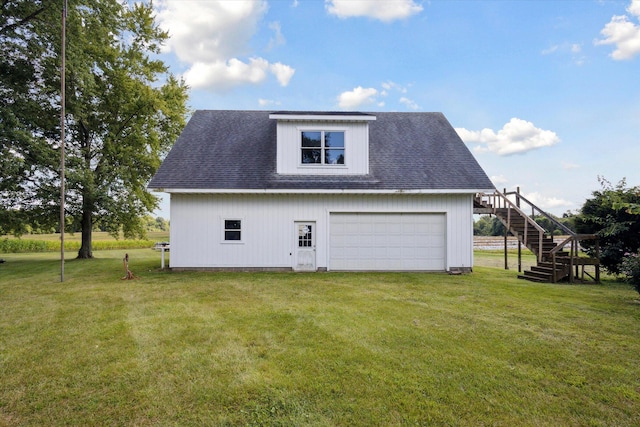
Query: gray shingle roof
pixel 236 150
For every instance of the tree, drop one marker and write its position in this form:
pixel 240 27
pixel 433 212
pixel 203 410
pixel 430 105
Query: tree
pixel 19 77
pixel 155 224
pixel 488 226
pixel 124 110
pixel 608 215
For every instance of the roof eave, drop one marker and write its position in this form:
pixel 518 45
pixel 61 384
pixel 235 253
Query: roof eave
pixel 319 191
pixel 313 117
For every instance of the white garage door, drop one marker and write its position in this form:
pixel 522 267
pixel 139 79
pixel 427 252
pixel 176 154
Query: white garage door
pixel 387 241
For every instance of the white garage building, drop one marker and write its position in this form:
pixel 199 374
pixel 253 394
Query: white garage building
pixel 309 191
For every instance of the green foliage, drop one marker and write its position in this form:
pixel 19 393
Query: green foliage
pixel 155 224
pixel 568 220
pixel 610 216
pixel 124 111
pixel 488 226
pixel 630 267
pixel 8 246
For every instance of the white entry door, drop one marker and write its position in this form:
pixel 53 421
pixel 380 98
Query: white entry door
pixel 305 243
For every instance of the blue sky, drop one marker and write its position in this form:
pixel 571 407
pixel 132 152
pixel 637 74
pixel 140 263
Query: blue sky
pixel 546 93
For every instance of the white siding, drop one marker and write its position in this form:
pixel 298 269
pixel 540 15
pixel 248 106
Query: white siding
pixel 356 148
pixel 268 236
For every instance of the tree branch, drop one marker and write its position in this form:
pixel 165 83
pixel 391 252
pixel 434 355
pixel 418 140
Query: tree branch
pixel 22 21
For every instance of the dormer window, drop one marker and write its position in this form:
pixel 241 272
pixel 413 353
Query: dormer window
pixel 322 147
pixel 322 143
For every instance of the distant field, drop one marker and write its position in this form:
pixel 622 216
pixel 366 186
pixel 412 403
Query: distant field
pixel 51 242
pixel 75 237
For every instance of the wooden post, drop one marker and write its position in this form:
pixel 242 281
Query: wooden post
pixel 598 260
pixel 506 263
pixel 571 261
pixel 128 274
pixel 62 137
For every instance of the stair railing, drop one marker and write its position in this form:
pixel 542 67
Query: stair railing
pixel 498 200
pixel 534 208
pixel 574 239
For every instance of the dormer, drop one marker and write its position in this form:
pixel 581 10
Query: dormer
pixel 322 143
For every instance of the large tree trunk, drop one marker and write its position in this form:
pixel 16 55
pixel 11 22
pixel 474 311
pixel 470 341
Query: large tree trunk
pixel 86 251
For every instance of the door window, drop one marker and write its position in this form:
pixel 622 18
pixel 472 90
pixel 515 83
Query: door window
pixel 305 235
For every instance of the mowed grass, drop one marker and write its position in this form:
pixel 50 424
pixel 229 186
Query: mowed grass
pixel 323 349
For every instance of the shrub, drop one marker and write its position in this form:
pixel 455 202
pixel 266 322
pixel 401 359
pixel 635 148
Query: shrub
pixel 630 267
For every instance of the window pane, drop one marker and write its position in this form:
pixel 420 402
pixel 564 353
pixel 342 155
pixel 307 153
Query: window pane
pixel 334 157
pixel 232 229
pixel 311 139
pixel 232 224
pixel 305 236
pixel 232 235
pixel 311 156
pixel 334 139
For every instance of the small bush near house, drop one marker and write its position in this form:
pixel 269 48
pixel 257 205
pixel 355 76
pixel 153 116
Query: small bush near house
pixel 630 267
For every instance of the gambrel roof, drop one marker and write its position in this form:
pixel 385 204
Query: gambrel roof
pixel 236 150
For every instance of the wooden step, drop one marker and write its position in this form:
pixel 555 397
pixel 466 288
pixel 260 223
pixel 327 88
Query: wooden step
pixel 542 269
pixel 544 272
pixel 532 278
pixel 538 275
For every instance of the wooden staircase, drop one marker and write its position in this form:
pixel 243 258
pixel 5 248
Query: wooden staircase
pixel 554 263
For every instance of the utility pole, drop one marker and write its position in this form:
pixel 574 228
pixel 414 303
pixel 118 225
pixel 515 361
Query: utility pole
pixel 62 124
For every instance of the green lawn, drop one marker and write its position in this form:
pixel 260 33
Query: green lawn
pixel 310 349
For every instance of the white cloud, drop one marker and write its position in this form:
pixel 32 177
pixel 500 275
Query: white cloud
pixel 211 37
pixel 364 96
pixel 551 49
pixel 267 102
pixel 357 97
pixel 385 11
pixel 409 103
pixel 282 72
pixel 623 33
pixel 223 75
pixel 517 136
pixel 211 30
pixel 569 165
pixel 574 50
pixel 545 202
pixel 389 85
pixel 498 179
pixel 277 39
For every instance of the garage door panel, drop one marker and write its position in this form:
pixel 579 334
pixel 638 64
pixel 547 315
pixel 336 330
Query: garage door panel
pixel 387 241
